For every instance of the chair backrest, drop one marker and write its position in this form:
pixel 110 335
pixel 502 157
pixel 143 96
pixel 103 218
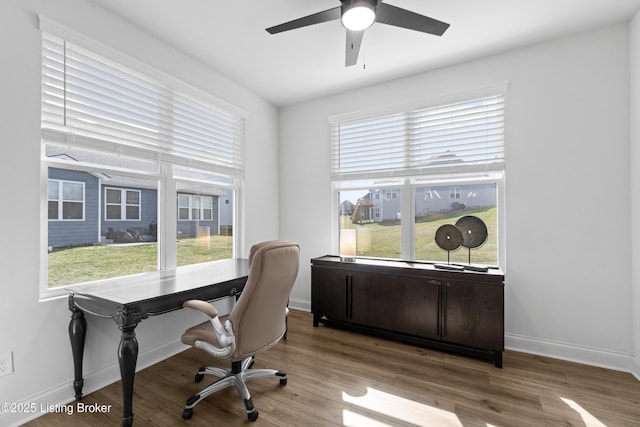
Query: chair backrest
pixel 258 317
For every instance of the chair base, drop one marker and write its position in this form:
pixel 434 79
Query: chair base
pixel 237 376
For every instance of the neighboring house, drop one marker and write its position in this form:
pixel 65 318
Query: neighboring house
pixel 91 208
pixel 73 208
pixel 381 205
pixel 346 208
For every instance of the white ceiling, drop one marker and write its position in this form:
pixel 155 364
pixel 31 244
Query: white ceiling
pixel 229 36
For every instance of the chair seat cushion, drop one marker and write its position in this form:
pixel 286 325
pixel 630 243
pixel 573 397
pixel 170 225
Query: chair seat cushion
pixel 202 332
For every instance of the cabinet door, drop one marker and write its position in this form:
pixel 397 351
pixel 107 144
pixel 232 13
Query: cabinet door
pixel 418 307
pixel 372 299
pixel 399 303
pixel 329 292
pixel 474 314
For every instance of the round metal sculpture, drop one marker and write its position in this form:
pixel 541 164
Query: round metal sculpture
pixel 474 231
pixel 448 237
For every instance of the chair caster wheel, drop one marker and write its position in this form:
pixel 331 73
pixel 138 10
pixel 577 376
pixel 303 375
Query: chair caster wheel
pixel 283 381
pixel 252 415
pixel 187 414
pixel 199 377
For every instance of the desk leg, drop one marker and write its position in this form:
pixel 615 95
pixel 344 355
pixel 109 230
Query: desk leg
pixel 77 335
pixel 128 357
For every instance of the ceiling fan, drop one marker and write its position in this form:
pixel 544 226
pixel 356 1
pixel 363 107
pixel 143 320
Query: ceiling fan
pixel 358 15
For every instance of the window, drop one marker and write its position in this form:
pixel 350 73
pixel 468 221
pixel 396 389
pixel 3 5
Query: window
pixel 479 199
pixel 122 204
pixel 65 200
pixel 454 193
pixel 194 208
pixel 431 164
pixel 122 146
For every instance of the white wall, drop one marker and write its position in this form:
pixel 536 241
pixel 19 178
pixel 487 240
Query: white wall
pixel 635 185
pixel 568 291
pixel 36 332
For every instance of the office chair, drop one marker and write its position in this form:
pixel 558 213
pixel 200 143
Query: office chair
pixel 256 323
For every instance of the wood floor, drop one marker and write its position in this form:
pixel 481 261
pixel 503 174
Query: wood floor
pixel 340 378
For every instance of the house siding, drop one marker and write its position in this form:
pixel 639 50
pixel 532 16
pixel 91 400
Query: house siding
pixel 190 228
pixel 148 211
pixel 386 203
pixel 81 232
pixel 471 196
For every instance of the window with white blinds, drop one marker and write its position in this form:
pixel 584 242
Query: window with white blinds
pixel 116 125
pixel 464 136
pixel 92 102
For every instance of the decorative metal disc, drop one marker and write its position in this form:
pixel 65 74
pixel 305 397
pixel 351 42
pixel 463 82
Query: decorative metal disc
pixel 474 231
pixel 448 237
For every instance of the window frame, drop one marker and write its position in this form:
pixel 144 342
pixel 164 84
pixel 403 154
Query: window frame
pixel 190 207
pixel 124 204
pixel 407 181
pixel 166 161
pixel 407 187
pixel 60 200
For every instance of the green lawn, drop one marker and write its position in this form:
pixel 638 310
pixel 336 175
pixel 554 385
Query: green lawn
pixel 88 263
pixel 383 239
pixel 84 264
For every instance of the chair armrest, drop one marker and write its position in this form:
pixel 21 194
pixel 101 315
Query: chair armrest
pixel 201 306
pixel 224 334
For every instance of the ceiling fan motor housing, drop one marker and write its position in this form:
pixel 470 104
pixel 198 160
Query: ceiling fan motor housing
pixel 358 15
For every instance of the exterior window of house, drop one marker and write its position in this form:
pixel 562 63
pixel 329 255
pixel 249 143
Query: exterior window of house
pixel 124 142
pixel 65 200
pixel 454 193
pixel 122 204
pixel 417 154
pixel 195 208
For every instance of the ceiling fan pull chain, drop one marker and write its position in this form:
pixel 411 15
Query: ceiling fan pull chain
pixel 364 57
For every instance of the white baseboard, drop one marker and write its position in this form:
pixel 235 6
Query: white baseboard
pixel 572 353
pixel 300 304
pixel 63 394
pixel 635 370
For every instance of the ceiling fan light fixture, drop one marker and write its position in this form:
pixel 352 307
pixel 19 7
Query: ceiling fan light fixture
pixel 358 15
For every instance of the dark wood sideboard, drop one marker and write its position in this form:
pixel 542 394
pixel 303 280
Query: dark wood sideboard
pixel 460 311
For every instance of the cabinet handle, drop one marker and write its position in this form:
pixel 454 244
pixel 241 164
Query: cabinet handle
pixel 444 310
pixel 439 286
pixel 349 295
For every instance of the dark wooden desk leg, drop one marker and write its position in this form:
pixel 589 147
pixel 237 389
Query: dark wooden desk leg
pixel 77 335
pixel 128 357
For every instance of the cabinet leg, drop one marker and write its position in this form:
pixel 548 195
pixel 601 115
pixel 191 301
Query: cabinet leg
pixel 316 320
pixel 497 359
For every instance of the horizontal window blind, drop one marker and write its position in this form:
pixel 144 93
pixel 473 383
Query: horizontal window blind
pixel 95 103
pixel 464 136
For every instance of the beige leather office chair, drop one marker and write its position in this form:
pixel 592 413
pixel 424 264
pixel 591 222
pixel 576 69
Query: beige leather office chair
pixel 256 323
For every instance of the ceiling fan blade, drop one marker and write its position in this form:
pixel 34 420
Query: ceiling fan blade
pixel 354 40
pixel 392 15
pixel 316 18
